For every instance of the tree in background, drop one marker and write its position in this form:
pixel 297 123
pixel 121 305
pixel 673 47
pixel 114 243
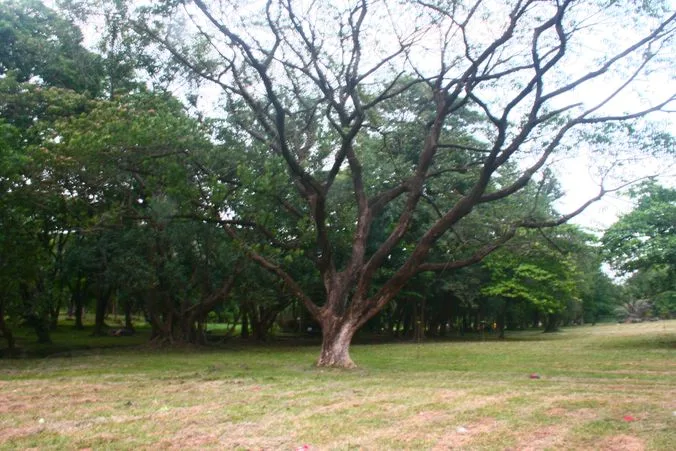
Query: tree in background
pixel 36 216
pixel 643 243
pixel 600 294
pixel 91 186
pixel 539 270
pixel 48 75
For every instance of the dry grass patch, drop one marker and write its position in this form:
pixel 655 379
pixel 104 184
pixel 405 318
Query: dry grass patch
pixel 548 437
pixel 622 443
pixel 465 435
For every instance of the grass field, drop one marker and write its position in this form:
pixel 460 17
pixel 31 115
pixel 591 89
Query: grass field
pixel 604 387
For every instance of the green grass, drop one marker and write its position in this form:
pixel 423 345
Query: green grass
pixel 402 396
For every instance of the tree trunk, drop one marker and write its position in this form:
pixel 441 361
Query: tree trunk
pixel 163 327
pixel 336 339
pixel 392 325
pixel 244 332
pixel 552 323
pixel 200 335
pixel 54 315
pixel 502 320
pixel 128 323
pixel 185 330
pixel 408 320
pixel 41 326
pixel 261 325
pixel 419 315
pixel 79 310
pixel 6 332
pixel 259 330
pixel 38 320
pixel 101 305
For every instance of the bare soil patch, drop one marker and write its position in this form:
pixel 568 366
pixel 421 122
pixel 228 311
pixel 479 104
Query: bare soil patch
pixel 549 437
pixel 622 443
pixel 19 432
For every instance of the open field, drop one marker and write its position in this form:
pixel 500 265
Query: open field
pixel 455 395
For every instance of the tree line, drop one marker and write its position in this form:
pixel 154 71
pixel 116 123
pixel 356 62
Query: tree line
pixel 341 181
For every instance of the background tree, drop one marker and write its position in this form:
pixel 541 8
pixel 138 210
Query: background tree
pixel 643 242
pixel 34 201
pixel 540 270
pixel 47 75
pixel 95 187
pixel 600 294
pixel 646 236
pixel 138 160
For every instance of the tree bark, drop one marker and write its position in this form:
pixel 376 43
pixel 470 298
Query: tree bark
pixel 408 317
pixel 38 320
pixel 502 320
pixel 336 339
pixel 41 326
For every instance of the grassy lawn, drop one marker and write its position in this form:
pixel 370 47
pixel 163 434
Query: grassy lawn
pixel 453 395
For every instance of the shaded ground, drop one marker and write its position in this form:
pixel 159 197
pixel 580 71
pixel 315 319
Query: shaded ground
pixel 606 387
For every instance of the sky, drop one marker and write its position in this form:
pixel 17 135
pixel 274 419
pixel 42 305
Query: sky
pixel 578 184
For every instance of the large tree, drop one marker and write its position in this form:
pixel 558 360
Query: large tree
pixel 310 87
